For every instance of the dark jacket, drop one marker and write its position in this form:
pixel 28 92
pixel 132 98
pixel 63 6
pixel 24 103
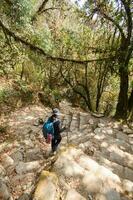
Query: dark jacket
pixel 57 127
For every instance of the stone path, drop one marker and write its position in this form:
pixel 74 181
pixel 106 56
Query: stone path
pixel 95 159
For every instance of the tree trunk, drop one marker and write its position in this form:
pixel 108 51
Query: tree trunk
pixel 88 100
pixel 87 90
pixel 130 102
pixel 122 105
pixel 22 72
pixel 98 101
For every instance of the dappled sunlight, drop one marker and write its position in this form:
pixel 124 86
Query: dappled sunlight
pixel 114 148
pixel 95 178
pixel 104 144
pixel 92 183
pixel 89 161
pixel 66 100
pixel 100 137
pixel 66 163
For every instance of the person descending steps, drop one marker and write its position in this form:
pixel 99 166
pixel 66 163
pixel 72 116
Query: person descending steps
pixel 52 129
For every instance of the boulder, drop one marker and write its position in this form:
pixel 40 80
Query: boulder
pixel 7 160
pixel 17 156
pixel 4 191
pixel 33 154
pixel 27 167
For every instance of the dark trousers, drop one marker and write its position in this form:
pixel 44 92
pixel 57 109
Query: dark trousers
pixel 55 142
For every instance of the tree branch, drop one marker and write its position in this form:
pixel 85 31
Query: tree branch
pixel 40 10
pixel 41 51
pixel 114 22
pixel 75 89
pixel 98 9
pixel 129 18
pixel 42 6
pixel 47 9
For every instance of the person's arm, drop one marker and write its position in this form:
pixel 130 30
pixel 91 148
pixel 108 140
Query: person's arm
pixel 58 128
pixel 62 129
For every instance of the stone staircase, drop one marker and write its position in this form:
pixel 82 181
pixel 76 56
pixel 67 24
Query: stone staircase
pixel 108 143
pixel 111 147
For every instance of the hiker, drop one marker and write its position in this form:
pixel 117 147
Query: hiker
pixel 53 135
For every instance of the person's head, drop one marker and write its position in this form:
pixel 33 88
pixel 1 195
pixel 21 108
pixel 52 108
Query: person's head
pixel 56 113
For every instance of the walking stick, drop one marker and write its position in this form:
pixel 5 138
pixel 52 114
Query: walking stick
pixel 39 130
pixel 67 137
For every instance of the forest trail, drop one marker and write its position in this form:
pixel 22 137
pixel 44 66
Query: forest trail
pixel 94 161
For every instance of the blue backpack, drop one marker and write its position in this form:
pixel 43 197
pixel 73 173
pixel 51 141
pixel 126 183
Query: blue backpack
pixel 48 128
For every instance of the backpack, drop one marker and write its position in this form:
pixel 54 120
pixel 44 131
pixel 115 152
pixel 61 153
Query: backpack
pixel 48 128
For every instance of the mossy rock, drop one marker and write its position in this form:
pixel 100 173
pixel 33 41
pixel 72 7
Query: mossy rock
pixel 47 187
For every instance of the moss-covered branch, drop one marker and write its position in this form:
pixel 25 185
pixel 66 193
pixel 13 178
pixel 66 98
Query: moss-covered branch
pixel 41 51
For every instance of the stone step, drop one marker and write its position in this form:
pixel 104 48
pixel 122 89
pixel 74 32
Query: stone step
pixel 86 174
pixel 88 147
pixel 84 118
pixel 122 171
pixel 123 160
pixel 117 155
pixel 77 137
pixel 108 140
pixel 81 140
pixel 75 122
